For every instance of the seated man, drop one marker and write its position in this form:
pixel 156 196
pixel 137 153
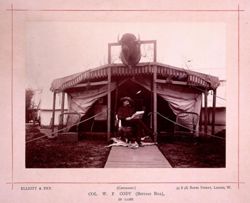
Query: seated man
pixel 126 115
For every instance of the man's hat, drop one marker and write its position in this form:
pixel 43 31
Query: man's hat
pixel 126 99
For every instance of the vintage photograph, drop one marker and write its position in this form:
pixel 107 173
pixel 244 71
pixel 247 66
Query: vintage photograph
pixel 125 95
pixel 116 101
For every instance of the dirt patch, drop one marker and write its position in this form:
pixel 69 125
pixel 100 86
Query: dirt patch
pixel 199 153
pixel 46 153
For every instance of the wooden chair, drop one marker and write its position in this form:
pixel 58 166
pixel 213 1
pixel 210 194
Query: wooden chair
pixel 125 132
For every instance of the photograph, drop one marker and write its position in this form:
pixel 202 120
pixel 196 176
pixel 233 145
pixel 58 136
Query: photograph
pixel 141 95
pixel 121 101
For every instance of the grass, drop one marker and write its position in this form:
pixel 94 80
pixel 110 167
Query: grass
pixel 47 153
pixel 199 153
pixel 180 152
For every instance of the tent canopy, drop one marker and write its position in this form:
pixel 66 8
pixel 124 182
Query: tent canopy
pixel 165 72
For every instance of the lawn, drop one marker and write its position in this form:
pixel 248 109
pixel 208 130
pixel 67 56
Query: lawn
pixel 49 153
pixel 199 153
pixel 89 153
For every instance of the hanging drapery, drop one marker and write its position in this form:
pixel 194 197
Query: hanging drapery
pixel 179 98
pixel 81 101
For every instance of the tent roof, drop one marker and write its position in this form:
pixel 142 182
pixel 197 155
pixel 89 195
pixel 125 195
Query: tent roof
pixel 167 72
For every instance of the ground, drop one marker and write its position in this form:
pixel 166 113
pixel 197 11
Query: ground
pixel 180 152
pixel 48 153
pixel 194 153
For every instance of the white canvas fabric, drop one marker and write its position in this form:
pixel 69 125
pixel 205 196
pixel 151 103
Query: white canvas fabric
pixel 179 98
pixel 81 101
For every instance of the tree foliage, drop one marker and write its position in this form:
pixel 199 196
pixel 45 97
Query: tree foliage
pixel 29 93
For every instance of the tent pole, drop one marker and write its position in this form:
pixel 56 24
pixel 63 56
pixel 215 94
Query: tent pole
pixel 201 115
pixel 53 112
pixel 205 113
pixel 116 95
pixel 155 51
pixel 155 103
pixel 116 98
pixel 213 113
pixel 109 103
pixel 151 103
pixel 62 109
pixel 109 53
pixel 109 93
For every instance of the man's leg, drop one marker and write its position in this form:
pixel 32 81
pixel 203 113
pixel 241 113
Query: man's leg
pixel 142 126
pixel 139 127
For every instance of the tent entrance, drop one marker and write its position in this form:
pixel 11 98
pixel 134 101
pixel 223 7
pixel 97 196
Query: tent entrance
pixel 171 100
pixel 143 100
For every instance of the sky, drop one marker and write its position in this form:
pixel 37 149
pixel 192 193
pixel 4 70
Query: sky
pixel 59 48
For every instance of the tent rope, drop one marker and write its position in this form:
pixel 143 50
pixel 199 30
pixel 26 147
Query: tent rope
pixel 185 126
pixel 65 127
pixel 175 122
pixel 87 119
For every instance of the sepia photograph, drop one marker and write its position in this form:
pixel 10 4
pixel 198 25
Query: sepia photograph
pixel 139 95
pixel 121 101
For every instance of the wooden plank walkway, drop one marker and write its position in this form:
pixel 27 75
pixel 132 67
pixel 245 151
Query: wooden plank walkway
pixel 142 157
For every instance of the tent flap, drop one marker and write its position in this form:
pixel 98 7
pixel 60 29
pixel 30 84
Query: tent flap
pixel 80 102
pixel 180 99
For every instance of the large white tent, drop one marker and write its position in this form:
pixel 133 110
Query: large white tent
pixel 181 89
